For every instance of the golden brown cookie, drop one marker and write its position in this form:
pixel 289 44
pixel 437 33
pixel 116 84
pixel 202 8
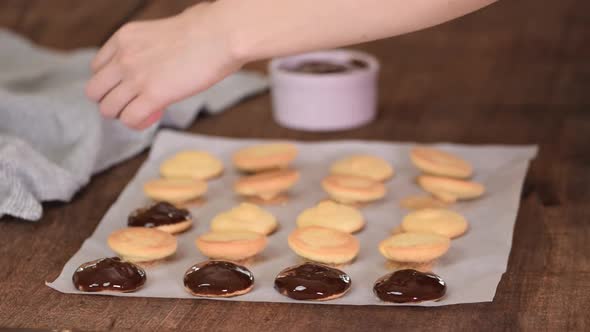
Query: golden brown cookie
pixel 397 230
pixel 362 165
pixel 418 266
pixel 177 228
pixel 192 204
pixel 140 244
pixel 419 202
pixel 281 199
pixel 414 247
pixel 324 245
pixel 266 185
pixel 174 190
pixel 245 217
pixel 265 157
pixel 333 215
pixel 353 189
pixel 199 165
pixel 437 162
pixel 234 246
pixel 440 221
pixel 450 190
pixel 446 197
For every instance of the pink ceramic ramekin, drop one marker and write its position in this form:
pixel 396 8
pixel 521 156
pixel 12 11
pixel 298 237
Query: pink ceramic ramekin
pixel 324 102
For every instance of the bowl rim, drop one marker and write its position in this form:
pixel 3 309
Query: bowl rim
pixel 337 55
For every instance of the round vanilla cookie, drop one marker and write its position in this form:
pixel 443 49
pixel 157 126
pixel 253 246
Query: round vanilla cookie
pixel 265 157
pixel 396 230
pixel 199 165
pixel 414 247
pixel 333 215
pixel 324 245
pixel 446 197
pixel 368 166
pixel 353 189
pixel 440 221
pixel 234 246
pixel 174 190
pixel 141 244
pixel 450 190
pixel 245 217
pixel 266 185
pixel 419 202
pixel 437 162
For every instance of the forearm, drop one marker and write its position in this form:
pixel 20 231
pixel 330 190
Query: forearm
pixel 266 28
pixel 145 66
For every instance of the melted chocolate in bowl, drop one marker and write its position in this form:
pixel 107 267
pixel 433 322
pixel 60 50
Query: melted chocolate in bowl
pixel 356 63
pixel 108 274
pixel 218 279
pixel 309 281
pixel 159 214
pixel 405 286
pixel 326 67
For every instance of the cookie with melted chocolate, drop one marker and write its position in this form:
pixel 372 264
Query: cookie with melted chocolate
pixel 163 216
pixel 409 286
pixel 218 279
pixel 312 282
pixel 109 274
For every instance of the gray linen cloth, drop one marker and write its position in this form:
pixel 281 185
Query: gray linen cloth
pixel 52 139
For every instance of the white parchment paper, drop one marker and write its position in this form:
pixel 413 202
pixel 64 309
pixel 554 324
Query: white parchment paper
pixel 472 268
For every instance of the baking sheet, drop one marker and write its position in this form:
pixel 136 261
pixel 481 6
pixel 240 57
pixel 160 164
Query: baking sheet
pixel 472 268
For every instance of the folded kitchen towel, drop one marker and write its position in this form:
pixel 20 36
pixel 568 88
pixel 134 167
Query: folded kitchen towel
pixel 52 139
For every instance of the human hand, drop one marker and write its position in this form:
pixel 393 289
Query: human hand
pixel 146 66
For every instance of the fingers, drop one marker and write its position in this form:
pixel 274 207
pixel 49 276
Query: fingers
pixel 151 120
pixel 117 81
pixel 103 82
pixel 104 55
pixel 117 99
pixel 135 111
pixel 141 112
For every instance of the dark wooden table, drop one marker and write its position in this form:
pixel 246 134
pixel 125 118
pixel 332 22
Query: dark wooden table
pixel 515 73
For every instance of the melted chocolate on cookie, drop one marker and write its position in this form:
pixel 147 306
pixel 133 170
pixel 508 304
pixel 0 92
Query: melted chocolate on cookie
pixel 310 281
pixel 409 286
pixel 108 274
pixel 217 279
pixel 159 214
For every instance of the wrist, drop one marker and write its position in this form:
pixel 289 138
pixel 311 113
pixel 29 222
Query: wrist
pixel 228 15
pixel 214 28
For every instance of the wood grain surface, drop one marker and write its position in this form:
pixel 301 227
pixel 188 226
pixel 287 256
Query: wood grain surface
pixel 517 72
